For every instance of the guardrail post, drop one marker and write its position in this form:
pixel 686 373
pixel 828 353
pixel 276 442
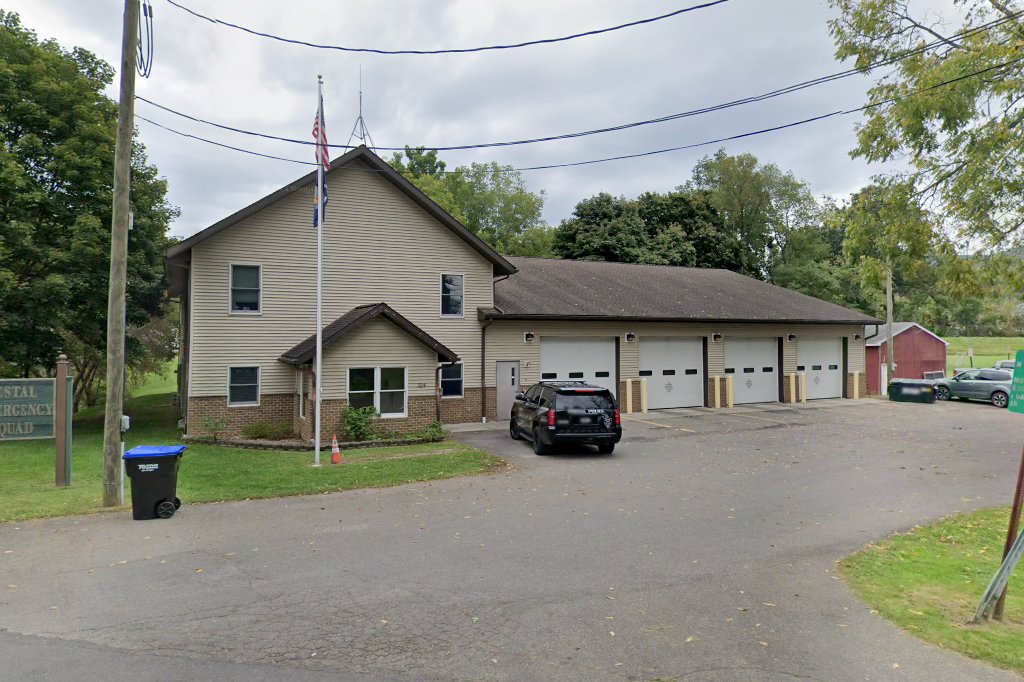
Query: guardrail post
pixel 61 408
pixel 718 393
pixel 629 396
pixel 643 396
pixel 803 387
pixel 728 391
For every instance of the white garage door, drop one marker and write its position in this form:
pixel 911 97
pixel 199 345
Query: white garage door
pixel 674 369
pixel 754 366
pixel 578 358
pixel 822 360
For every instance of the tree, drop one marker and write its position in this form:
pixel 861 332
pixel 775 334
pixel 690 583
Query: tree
pixel 57 132
pixel 759 204
pixel 678 228
pixel 955 112
pixel 489 198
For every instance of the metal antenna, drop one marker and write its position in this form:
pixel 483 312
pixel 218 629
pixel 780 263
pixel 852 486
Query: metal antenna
pixel 359 130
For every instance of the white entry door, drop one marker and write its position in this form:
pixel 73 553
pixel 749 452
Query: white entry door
pixel 579 358
pixel 754 366
pixel 822 360
pixel 507 373
pixel 674 369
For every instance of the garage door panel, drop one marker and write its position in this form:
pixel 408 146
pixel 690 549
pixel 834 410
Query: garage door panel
pixel 579 358
pixel 822 362
pixel 754 366
pixel 674 369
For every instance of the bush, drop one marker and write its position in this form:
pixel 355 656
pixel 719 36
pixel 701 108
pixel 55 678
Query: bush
pixel 431 432
pixel 357 423
pixel 268 431
pixel 214 427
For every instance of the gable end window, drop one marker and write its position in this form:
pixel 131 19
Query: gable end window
pixel 243 386
pixel 452 292
pixel 451 381
pixel 245 288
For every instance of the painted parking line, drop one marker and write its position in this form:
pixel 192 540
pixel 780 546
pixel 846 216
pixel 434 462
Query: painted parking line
pixel 750 416
pixel 663 426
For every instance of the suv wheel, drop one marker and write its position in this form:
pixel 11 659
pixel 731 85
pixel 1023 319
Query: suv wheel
pixel 606 448
pixel 1000 399
pixel 513 429
pixel 538 447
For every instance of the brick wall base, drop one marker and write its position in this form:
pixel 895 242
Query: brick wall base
pixel 623 387
pixel 862 380
pixel 796 397
pixel 722 394
pixel 204 411
pixel 421 411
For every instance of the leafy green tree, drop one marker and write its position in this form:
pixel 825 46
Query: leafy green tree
pixel 955 112
pixel 490 199
pixel 604 228
pixel 760 205
pixel 57 132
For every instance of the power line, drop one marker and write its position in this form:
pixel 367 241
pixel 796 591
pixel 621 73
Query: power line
pixel 510 46
pixel 794 124
pixel 821 80
pixel 144 53
pixel 221 144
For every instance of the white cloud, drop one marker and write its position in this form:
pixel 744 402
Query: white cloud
pixel 734 50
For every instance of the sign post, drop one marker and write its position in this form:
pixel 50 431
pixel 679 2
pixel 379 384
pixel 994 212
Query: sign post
pixel 1016 404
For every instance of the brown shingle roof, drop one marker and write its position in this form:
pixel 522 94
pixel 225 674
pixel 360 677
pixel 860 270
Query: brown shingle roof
pixel 565 289
pixel 305 351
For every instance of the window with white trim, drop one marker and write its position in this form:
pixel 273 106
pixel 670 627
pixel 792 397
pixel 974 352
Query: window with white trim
pixel 452 294
pixel 245 288
pixel 451 380
pixel 383 388
pixel 243 386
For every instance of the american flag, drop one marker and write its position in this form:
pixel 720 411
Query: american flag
pixel 322 157
pixel 320 135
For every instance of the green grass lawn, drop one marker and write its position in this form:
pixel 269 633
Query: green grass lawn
pixel 211 473
pixel 929 582
pixel 987 350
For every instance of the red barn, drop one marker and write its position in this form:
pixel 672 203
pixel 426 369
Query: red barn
pixel 917 351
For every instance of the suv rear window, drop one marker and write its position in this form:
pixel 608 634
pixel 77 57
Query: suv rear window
pixel 599 400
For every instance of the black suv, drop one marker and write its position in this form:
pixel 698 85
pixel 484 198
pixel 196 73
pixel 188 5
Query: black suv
pixel 557 412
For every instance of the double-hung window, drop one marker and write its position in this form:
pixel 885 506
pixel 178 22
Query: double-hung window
pixel 451 381
pixel 452 295
pixel 245 288
pixel 243 386
pixel 382 388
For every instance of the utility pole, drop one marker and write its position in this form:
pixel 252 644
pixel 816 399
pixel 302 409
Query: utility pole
pixel 119 260
pixel 889 343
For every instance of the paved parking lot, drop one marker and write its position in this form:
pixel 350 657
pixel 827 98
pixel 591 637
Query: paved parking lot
pixel 702 549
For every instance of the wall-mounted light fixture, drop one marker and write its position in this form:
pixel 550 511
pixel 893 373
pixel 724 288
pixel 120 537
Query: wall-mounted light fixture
pixel 791 338
pixel 630 337
pixel 716 337
pixel 528 337
pixel 856 337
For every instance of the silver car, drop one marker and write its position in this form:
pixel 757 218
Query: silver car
pixel 1006 365
pixel 991 385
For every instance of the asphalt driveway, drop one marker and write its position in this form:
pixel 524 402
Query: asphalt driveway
pixel 702 549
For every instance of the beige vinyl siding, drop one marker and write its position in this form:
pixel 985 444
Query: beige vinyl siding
pixel 379 344
pixel 378 246
pixel 505 342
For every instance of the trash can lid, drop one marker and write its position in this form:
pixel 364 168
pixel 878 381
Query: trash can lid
pixel 155 451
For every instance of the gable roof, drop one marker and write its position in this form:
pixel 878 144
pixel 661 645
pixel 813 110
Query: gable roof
pixel 593 290
pixel 178 252
pixel 874 334
pixel 305 351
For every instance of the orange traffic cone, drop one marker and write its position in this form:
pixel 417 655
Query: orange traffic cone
pixel 335 451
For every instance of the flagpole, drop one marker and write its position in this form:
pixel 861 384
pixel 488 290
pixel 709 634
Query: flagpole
pixel 319 266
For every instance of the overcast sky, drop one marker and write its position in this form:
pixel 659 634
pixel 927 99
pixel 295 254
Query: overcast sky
pixel 730 51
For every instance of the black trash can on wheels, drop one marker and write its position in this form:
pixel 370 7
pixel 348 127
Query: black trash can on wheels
pixel 154 473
